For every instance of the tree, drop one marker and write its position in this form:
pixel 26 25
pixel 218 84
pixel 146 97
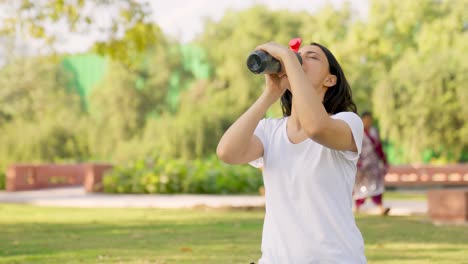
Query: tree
pixel 117 111
pixel 40 119
pixel 122 104
pixel 421 103
pixel 34 88
pixel 127 29
pixel 406 62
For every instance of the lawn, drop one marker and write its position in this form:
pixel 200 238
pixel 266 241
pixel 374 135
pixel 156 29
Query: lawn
pixel 405 195
pixel 31 234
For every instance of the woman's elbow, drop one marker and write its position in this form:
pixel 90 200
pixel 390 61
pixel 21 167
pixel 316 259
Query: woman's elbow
pixel 313 132
pixel 220 153
pixel 223 154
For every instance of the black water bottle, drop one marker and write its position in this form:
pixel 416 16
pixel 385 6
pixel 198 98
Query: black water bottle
pixel 260 61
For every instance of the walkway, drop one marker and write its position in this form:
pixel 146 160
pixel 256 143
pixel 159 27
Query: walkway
pixel 77 197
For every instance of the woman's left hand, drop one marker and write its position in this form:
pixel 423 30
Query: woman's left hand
pixel 274 49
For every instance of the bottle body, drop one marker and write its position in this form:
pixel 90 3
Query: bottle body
pixel 260 61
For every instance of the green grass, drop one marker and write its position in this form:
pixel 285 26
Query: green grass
pixel 31 234
pixel 405 195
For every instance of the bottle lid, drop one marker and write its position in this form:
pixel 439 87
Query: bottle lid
pixel 295 43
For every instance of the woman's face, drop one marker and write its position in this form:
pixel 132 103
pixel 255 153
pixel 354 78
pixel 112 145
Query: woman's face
pixel 316 67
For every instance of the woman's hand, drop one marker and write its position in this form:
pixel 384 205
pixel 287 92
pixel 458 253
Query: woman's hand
pixel 277 83
pixel 276 50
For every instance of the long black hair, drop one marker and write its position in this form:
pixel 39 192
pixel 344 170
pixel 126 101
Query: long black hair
pixel 338 98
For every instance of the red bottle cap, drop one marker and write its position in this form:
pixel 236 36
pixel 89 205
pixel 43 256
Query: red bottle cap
pixel 295 43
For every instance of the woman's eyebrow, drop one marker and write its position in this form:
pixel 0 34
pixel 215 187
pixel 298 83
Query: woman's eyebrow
pixel 310 52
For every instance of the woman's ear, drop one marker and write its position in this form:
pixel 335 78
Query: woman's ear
pixel 330 80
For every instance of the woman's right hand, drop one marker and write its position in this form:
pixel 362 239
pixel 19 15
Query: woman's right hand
pixel 276 84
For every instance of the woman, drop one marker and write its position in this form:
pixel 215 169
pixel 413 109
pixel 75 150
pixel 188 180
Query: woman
pixel 372 166
pixel 309 159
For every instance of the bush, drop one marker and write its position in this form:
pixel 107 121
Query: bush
pixel 181 176
pixel 2 180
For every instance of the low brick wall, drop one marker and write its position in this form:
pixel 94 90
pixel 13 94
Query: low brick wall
pixel 30 177
pixel 427 175
pixel 447 195
pixel 94 175
pixel 22 177
pixel 448 205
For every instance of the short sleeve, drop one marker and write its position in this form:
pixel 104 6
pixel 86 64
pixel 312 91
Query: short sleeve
pixel 260 133
pixel 357 129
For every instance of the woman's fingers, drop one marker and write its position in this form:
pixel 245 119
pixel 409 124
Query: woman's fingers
pixel 273 48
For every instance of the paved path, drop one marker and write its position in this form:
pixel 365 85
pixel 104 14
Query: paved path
pixel 77 197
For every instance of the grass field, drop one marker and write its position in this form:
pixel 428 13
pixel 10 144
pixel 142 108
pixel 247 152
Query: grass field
pixel 31 234
pixel 408 195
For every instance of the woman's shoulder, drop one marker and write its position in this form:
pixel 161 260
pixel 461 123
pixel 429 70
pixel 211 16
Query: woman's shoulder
pixel 346 115
pixel 274 121
pixel 270 123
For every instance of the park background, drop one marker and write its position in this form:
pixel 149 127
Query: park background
pixel 141 95
pixel 93 81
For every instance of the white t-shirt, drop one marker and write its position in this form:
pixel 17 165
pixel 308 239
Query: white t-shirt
pixel 308 192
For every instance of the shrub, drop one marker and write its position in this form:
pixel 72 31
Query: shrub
pixel 182 176
pixel 2 180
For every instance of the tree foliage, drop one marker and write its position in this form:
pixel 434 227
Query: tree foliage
pixel 406 62
pixel 41 120
pixel 421 103
pixel 124 27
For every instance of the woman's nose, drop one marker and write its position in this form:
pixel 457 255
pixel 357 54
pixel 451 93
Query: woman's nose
pixel 304 66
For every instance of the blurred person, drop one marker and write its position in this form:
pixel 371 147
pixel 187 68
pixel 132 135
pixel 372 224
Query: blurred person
pixel 309 159
pixel 372 166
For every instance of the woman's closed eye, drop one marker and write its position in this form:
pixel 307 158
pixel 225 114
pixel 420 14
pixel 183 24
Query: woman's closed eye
pixel 311 55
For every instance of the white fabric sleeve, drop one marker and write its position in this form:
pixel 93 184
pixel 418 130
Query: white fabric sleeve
pixel 357 129
pixel 260 133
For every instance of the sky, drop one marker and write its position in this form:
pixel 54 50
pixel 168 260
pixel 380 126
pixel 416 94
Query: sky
pixel 183 19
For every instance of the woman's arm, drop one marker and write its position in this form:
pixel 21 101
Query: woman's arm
pixel 239 144
pixel 314 119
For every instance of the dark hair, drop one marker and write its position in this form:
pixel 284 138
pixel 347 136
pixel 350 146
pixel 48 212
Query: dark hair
pixel 338 98
pixel 366 113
